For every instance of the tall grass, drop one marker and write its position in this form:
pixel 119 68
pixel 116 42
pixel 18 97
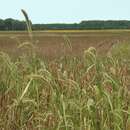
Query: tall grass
pixel 90 93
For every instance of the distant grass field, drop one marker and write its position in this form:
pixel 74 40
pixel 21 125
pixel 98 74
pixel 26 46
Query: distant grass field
pixel 51 43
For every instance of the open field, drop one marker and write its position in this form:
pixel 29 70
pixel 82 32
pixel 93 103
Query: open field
pixel 52 44
pixel 89 92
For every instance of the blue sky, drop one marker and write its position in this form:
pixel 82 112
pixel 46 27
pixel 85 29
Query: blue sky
pixel 66 11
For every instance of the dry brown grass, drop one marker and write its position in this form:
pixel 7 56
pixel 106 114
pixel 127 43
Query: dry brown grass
pixel 51 44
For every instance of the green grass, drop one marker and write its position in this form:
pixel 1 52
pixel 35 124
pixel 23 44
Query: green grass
pixel 70 93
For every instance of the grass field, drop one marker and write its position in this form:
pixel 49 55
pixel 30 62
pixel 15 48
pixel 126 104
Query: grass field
pixel 80 88
pixel 52 44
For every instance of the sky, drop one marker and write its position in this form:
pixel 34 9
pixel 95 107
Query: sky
pixel 66 11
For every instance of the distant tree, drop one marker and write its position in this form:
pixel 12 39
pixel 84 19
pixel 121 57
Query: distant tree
pixel 18 25
pixel 2 24
pixel 9 23
pixel 12 24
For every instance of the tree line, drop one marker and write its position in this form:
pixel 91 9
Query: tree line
pixel 12 24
